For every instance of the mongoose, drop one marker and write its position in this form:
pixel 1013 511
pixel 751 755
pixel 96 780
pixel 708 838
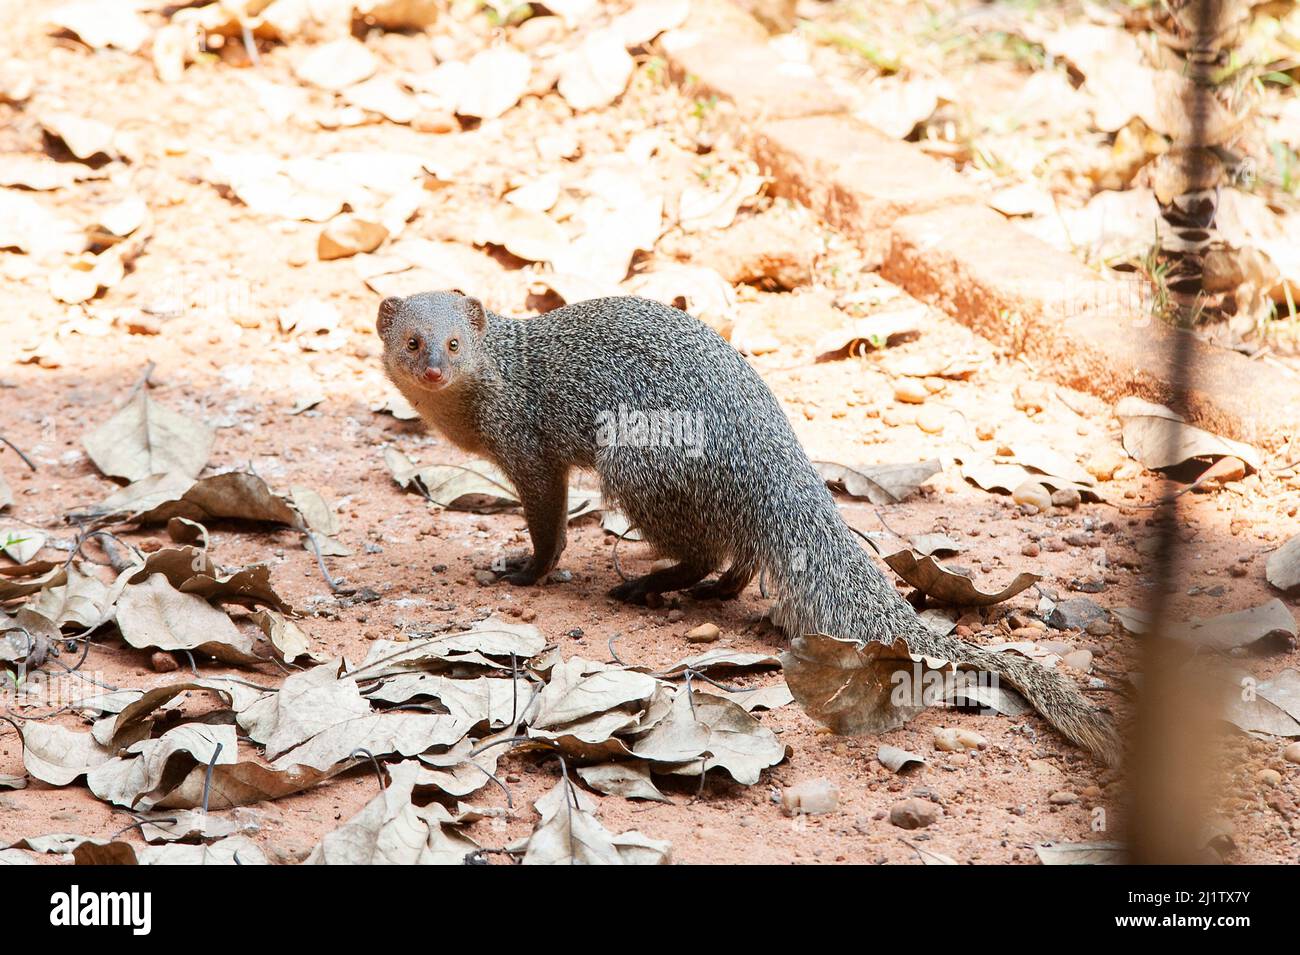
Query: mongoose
pixel 731 487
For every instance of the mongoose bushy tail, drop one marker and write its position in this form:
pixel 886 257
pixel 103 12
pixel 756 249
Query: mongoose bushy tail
pixel 692 445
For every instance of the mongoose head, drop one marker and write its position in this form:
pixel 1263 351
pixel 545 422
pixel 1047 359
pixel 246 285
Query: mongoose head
pixel 430 339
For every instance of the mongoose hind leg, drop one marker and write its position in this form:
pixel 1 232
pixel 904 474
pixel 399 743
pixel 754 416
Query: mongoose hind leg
pixel 677 577
pixel 727 587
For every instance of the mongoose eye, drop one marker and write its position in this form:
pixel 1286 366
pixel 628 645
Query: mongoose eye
pixel 453 345
pixel 412 344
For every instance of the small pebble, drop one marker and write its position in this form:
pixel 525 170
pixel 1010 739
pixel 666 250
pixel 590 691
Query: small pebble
pixel 704 633
pixel 913 813
pixel 931 419
pixel 1269 777
pixel 1066 497
pixel 485 577
pixel 910 390
pixel 1031 397
pixel 896 417
pixel 1063 798
pixel 1100 627
pixel 434 121
pixel 1033 494
pixel 1104 464
pixel 956 740
pixel 161 662
pixel 1078 660
pixel 810 797
pixel 1292 753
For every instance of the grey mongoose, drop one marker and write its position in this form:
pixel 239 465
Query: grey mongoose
pixel 544 395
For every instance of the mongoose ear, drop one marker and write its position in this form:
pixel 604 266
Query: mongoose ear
pixel 477 315
pixel 387 312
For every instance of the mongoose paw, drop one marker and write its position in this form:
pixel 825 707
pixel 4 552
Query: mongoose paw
pixel 522 578
pixel 520 568
pixel 713 590
pixel 634 592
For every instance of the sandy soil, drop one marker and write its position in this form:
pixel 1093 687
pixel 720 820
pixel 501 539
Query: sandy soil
pixel 224 359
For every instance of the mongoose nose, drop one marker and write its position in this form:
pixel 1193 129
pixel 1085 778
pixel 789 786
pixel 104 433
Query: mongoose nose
pixel 433 375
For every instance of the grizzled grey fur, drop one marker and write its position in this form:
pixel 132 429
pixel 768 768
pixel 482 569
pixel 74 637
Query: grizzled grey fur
pixel 537 396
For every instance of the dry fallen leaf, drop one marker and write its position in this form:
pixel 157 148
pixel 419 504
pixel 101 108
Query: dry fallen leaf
pixel 20 544
pixel 696 289
pixel 308 702
pixel 266 185
pixel 898 760
pixel 147 769
pixel 381 734
pixel 154 615
pixel 880 483
pixel 1283 567
pixel 1263 708
pixel 935 581
pixel 994 476
pixel 493 81
pixel 713 205
pixel 631 780
pixel 103 23
pixel 454 772
pixel 243 783
pixel 188 825
pixel 85 138
pixel 1083 853
pixel 1160 438
pixel 336 65
pixel 81 600
pixel 573 693
pixel 28 226
pixel 721 657
pixel 390 830
pixel 646 19
pixel 855 688
pixel 487 639
pixel 882 330
pixel 40 173
pixel 703 731
pixel 596 73
pixel 57 755
pixel 522 232
pixel 895 104
pixel 448 485
pixel 159 498
pixel 383 95
pixel 1270 620
pixel 144 437
pixel 569 834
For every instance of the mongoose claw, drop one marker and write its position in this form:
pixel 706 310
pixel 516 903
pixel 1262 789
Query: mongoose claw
pixel 631 592
pixel 521 578
pixel 713 590
pixel 518 568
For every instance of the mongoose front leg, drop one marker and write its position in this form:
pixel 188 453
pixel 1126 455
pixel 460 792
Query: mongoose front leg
pixel 545 502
